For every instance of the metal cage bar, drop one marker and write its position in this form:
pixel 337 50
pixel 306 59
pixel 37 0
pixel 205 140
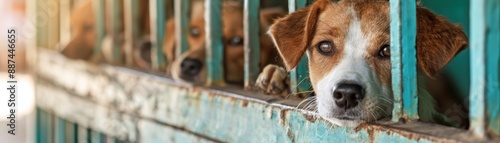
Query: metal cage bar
pixel 251 27
pixel 403 59
pixel 299 76
pixel 157 17
pixel 115 10
pixel 214 46
pixel 60 130
pixel 99 15
pixel 181 13
pixel 493 66
pixel 485 61
pixel 131 12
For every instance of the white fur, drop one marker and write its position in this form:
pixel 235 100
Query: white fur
pixel 353 67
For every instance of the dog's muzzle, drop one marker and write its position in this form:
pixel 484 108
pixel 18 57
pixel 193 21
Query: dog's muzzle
pixel 348 95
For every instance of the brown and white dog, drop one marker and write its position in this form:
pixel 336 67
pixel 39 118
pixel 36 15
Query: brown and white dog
pixel 190 66
pixel 348 47
pixel 84 34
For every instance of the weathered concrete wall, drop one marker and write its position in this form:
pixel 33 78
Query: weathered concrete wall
pixel 141 107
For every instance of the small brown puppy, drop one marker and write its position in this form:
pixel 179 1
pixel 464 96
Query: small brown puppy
pixel 347 44
pixel 84 36
pixel 190 66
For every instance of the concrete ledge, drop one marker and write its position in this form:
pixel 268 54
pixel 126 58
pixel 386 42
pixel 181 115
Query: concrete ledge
pixel 140 107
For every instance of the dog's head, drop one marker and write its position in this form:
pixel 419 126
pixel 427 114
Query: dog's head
pixel 348 47
pixel 190 66
pixel 83 33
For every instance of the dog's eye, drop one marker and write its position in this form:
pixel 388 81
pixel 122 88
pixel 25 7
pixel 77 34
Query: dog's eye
pixel 237 40
pixel 385 51
pixel 325 47
pixel 195 31
pixel 88 27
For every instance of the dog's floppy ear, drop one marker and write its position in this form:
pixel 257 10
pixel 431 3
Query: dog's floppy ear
pixel 438 41
pixel 292 34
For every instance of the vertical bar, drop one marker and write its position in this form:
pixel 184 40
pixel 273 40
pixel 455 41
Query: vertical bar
pixel 478 78
pixel 71 133
pixel 99 15
pixel 214 47
pixel 53 14
pixel 251 27
pixel 60 130
pixel 115 10
pixel 182 22
pixel 403 59
pixel 485 58
pixel 83 136
pixel 95 137
pixel 493 66
pixel 131 11
pixel 299 76
pixel 41 134
pixel 50 127
pixel 157 13
pixel 64 21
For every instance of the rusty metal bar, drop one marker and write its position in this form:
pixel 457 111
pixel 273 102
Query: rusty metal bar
pixel 157 20
pixel 251 26
pixel 214 46
pixel 403 59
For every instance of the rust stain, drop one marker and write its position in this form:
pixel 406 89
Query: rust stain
pixel 290 135
pixel 309 118
pixel 244 103
pixel 283 116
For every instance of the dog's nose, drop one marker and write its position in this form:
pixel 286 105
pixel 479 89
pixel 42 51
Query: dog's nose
pixel 348 95
pixel 191 67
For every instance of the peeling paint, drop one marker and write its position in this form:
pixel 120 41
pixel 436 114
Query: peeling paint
pixel 212 113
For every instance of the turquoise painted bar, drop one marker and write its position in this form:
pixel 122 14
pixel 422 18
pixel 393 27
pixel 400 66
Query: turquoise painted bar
pixel 117 26
pixel 299 76
pixel 478 73
pixel 214 46
pixel 493 66
pixel 403 59
pixel 182 26
pixel 60 130
pixel 99 15
pixel 251 28
pixel 131 10
pixel 157 13
pixel 485 58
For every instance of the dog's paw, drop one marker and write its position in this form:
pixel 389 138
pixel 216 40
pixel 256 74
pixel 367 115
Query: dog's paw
pixel 273 80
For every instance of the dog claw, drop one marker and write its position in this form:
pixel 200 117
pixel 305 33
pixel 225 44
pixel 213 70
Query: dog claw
pixel 272 80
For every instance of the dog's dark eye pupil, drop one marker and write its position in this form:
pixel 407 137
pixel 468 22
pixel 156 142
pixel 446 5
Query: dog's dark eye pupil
pixel 195 32
pixel 385 51
pixel 236 40
pixel 325 47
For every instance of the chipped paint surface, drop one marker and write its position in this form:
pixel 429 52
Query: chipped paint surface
pixel 137 107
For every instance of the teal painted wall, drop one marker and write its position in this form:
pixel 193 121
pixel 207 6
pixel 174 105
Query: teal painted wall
pixel 457 11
